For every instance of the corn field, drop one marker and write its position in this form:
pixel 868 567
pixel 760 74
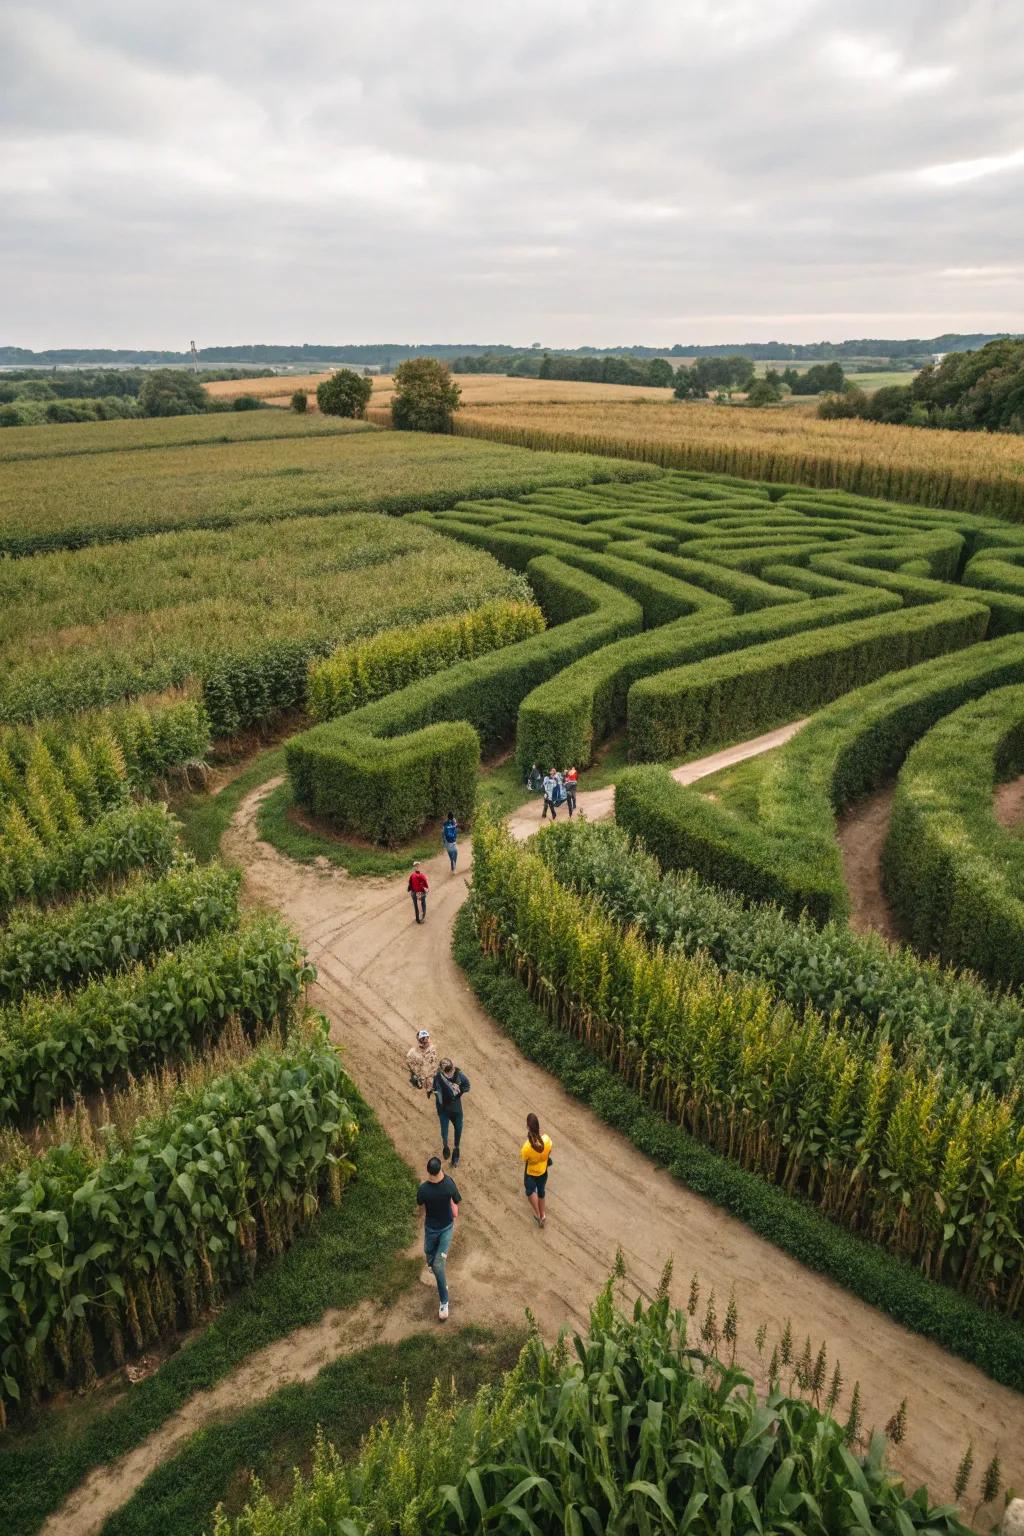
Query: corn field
pixel 631 1428
pixel 977 472
pixel 932 1170
pixel 105 1248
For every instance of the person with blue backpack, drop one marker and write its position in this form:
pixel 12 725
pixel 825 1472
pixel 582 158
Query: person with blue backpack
pixel 450 838
pixel 554 795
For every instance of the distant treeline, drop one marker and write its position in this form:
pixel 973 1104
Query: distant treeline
pixel 385 354
pixel 979 391
pixel 30 398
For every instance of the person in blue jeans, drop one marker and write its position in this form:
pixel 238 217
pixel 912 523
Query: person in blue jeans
pixel 450 837
pixel 439 1197
pixel 450 1088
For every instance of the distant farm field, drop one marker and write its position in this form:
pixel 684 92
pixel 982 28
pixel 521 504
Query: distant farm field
pixel 164 432
pixel 973 471
pixel 67 501
pixel 477 389
pixel 80 628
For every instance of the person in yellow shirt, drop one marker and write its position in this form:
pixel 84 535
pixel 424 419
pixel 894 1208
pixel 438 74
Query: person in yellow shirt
pixel 536 1155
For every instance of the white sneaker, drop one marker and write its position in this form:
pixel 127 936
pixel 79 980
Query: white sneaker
pixel 442 1312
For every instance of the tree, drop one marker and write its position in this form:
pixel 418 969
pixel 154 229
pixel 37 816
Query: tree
pixel 345 393
pixel 172 392
pixel 300 401
pixel 425 396
pixel 764 392
pixel 659 373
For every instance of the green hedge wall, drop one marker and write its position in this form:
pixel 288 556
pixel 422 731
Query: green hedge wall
pixel 562 720
pixel 385 770
pixel 955 877
pixel 790 855
pixel 726 698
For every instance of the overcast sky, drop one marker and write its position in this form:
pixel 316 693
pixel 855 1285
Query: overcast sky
pixel 564 171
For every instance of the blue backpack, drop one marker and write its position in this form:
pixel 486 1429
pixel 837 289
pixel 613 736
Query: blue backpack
pixel 558 798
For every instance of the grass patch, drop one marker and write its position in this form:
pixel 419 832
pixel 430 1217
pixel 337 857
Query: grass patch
pixel 272 1438
pixel 355 1250
pixel 205 817
pixel 737 788
pixel 293 833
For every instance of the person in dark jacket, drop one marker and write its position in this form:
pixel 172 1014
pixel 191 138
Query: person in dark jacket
pixel 450 1088
pixel 450 838
pixel 418 887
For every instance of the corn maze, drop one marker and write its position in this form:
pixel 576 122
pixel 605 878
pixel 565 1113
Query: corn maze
pixel 168 1115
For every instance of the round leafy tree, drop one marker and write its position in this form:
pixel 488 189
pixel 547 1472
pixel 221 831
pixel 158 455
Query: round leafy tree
pixel 172 392
pixel 425 396
pixel 345 393
pixel 300 400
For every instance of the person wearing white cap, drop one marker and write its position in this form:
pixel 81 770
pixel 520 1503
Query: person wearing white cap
pixel 422 1059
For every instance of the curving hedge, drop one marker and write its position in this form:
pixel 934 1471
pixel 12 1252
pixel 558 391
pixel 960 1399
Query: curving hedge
pixel 562 720
pixel 954 876
pixel 385 770
pixel 365 670
pixel 725 698
pixel 790 855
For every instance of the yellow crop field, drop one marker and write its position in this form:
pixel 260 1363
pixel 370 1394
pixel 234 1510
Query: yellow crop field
pixel 477 389
pixel 974 471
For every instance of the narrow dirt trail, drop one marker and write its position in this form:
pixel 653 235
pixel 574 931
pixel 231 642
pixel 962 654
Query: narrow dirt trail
pixel 380 979
pixel 861 833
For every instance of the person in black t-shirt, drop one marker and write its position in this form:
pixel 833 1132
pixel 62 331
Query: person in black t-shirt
pixel 439 1196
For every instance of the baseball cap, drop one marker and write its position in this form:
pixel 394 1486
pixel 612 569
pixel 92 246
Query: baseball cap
pixel 423 1034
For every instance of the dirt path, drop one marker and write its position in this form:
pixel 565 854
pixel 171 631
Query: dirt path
pixel 861 833
pixel 1008 803
pixel 380 979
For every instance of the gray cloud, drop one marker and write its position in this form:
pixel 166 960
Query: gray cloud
pixel 587 172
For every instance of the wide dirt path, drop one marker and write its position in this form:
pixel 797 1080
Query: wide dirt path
pixel 380 979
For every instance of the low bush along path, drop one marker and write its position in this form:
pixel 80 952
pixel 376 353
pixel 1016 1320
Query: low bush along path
pixel 380 979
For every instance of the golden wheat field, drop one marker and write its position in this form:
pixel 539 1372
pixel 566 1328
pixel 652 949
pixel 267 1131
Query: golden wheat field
pixel 974 471
pixel 477 389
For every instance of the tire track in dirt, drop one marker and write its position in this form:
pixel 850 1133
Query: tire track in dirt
pixel 380 978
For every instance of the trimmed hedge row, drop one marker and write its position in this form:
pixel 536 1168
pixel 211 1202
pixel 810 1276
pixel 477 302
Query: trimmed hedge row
pixel 54 1046
pixel 127 838
pixel 357 674
pixel 943 1018
pixel 563 719
pixel 791 856
pixel 725 698
pixel 108 933
pixel 955 877
pixel 385 770
pixel 995 1344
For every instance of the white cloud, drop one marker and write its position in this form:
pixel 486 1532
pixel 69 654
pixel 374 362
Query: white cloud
pixel 678 170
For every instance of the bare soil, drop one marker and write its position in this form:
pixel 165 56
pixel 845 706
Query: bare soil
pixel 380 979
pixel 1008 803
pixel 862 831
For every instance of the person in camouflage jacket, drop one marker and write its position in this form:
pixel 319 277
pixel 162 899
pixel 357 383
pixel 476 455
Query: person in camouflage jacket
pixel 422 1060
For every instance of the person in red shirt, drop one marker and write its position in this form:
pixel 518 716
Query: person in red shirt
pixel 570 779
pixel 418 887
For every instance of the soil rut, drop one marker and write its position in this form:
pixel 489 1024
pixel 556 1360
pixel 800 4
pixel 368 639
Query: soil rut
pixel 861 834
pixel 380 979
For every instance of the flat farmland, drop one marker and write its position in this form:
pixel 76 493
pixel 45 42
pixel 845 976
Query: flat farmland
pixel 164 432
pixel 67 501
pixel 477 389
pixel 85 627
pixel 972 471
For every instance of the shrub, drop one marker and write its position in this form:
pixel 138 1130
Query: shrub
pixel 178 1225
pixel 790 854
pixel 725 698
pixel 426 396
pixel 246 403
pixel 357 674
pixel 384 770
pixel 954 876
pixel 54 1046
pixel 300 402
pixel 172 392
pixel 345 393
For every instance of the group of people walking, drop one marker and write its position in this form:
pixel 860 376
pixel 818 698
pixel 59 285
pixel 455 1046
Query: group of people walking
pixel 558 787
pixel 438 1196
